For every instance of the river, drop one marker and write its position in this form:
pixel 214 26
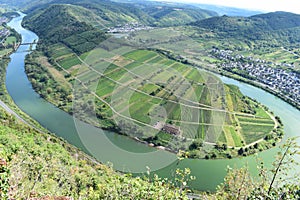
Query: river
pixel 126 154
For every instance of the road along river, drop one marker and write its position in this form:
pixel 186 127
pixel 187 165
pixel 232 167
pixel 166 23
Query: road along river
pixel 126 154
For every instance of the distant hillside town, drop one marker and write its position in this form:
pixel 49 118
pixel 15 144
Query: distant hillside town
pixel 270 74
pixel 129 27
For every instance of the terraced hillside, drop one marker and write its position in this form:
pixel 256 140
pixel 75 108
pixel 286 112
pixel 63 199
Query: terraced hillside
pixel 141 85
pixel 144 94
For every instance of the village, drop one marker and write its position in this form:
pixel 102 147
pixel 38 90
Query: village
pixel 3 20
pixel 129 27
pixel 272 75
pixel 4 32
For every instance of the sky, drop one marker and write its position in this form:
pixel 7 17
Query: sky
pixel 260 5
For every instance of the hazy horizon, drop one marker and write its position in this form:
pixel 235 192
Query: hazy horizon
pixel 258 5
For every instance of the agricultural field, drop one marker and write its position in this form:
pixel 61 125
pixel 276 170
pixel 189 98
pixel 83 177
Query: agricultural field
pixel 7 42
pixel 143 93
pixel 10 40
pixel 4 52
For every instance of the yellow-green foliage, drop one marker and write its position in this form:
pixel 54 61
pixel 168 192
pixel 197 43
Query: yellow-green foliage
pixel 43 165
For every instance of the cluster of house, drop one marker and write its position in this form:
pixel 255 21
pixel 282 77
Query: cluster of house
pixel 270 74
pixel 129 27
pixel 3 20
pixel 171 129
pixel 3 32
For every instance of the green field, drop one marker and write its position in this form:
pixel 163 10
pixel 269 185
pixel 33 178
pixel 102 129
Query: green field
pixel 5 52
pixel 7 45
pixel 10 40
pixel 69 62
pixel 256 120
pixel 144 88
pixel 59 50
pixel 147 87
pixel 262 113
pixel 254 132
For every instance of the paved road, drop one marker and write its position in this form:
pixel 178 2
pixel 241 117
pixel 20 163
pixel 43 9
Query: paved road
pixel 10 111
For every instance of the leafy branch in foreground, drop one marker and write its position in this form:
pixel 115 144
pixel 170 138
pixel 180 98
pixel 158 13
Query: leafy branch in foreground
pixel 277 182
pixel 280 182
pixel 284 161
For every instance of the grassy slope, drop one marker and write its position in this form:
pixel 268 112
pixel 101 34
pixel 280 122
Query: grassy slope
pixel 40 165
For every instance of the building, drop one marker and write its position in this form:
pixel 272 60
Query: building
pixel 174 130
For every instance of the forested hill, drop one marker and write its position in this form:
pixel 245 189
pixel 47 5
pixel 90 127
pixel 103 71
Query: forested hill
pixel 278 25
pixel 58 23
pixel 114 13
pixel 262 22
pixel 168 14
pixel 105 13
pixel 80 24
pixel 277 20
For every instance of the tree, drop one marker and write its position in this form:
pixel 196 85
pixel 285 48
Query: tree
pixel 241 151
pixel 197 143
pixel 4 179
pixel 239 184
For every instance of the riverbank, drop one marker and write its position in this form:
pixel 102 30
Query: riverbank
pixel 6 102
pixel 250 82
pixel 127 155
pixel 262 86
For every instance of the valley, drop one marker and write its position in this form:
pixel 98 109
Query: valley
pixel 112 92
pixel 149 85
